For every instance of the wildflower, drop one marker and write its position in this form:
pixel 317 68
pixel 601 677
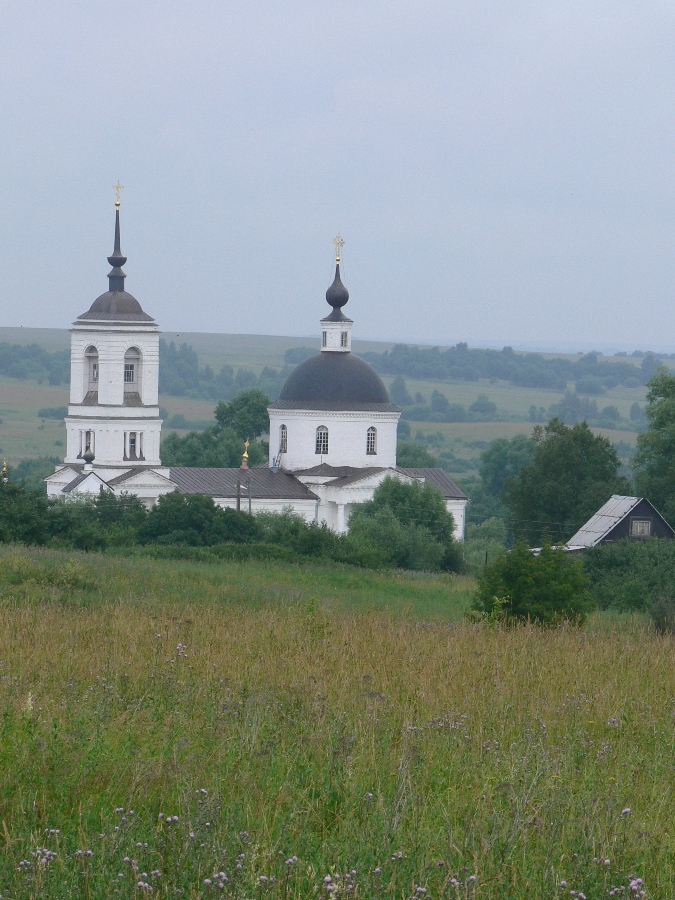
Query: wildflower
pixel 563 884
pixel 291 861
pixel 627 811
pixel 207 882
pixel 472 878
pixel 606 862
pixel 377 871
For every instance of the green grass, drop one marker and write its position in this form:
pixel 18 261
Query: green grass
pixel 340 721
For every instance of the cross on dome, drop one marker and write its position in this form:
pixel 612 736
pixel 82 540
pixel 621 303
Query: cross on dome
pixel 338 243
pixel 118 188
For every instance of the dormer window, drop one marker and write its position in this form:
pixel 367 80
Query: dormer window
pixel 344 339
pixel 321 440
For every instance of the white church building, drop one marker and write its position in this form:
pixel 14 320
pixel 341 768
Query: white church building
pixel 332 430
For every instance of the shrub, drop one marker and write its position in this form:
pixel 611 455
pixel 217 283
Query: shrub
pixel 662 613
pixel 547 588
pixel 630 575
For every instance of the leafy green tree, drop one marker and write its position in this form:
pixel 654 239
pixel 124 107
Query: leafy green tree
pixel 572 474
pixel 197 521
pixel 654 462
pixel 34 471
pixel 382 539
pixel 246 415
pixel 291 530
pixel 413 506
pixel 398 392
pixel 504 459
pixel 23 514
pixel 214 447
pixel 413 455
pixel 547 588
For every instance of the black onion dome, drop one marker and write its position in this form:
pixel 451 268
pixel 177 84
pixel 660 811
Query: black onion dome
pixel 337 294
pixel 334 378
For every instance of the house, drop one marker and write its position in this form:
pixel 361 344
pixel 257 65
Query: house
pixel 621 517
pixel 333 429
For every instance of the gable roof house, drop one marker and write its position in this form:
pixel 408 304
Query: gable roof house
pixel 621 517
pixel 333 430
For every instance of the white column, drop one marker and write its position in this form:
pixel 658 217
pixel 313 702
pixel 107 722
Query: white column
pixel 341 525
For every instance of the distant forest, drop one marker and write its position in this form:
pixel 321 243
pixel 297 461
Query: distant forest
pixel 461 363
pixel 180 373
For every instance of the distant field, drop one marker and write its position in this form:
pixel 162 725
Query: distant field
pixel 283 732
pixel 23 435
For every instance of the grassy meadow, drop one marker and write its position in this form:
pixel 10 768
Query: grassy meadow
pixel 262 730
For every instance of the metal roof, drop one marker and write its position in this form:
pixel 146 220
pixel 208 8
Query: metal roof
pixel 264 483
pixel 334 406
pixel 440 479
pixel 605 519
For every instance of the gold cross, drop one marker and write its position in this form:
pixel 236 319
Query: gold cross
pixel 118 188
pixel 338 243
pixel 246 446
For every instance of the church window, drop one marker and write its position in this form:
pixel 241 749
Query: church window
pixel 322 440
pixel 344 338
pixel 92 371
pixel 283 439
pixel 371 441
pixel 324 338
pixel 132 370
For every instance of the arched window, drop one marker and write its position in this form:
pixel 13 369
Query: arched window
pixel 321 440
pixel 91 371
pixel 283 439
pixel 371 441
pixel 132 371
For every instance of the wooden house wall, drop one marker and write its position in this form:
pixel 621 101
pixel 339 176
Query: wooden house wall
pixel 644 510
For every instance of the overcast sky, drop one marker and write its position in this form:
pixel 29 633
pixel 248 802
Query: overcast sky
pixel 501 172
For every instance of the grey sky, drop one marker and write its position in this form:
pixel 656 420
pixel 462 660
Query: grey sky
pixel 502 172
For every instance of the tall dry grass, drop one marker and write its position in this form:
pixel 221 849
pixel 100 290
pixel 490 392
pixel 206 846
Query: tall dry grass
pixel 297 744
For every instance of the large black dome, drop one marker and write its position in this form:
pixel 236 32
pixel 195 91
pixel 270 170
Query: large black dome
pixel 334 378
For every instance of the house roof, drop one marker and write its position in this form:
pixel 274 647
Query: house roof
pixel 354 477
pixel 440 479
pixel 605 519
pixel 264 483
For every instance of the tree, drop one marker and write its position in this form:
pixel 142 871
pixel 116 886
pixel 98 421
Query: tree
pixel 413 455
pixel 23 514
pixel 399 392
pixel 654 462
pixel 197 521
pixel 214 447
pixel 246 414
pixel 572 474
pixel 546 588
pixel 504 459
pixel 413 505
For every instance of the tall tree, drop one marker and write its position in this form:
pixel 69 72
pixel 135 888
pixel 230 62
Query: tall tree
pixel 246 414
pixel 572 474
pixel 654 462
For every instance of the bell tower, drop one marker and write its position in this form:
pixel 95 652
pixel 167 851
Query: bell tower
pixel 113 417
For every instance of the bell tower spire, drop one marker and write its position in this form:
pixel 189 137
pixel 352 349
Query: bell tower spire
pixel 336 328
pixel 117 275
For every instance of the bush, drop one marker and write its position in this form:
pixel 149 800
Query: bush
pixel 630 575
pixel 662 613
pixel 546 589
pixel 195 520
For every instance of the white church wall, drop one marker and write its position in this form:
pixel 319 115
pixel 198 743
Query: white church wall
pixel 347 438
pixel 109 438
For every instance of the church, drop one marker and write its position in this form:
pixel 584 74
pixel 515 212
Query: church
pixel 332 430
